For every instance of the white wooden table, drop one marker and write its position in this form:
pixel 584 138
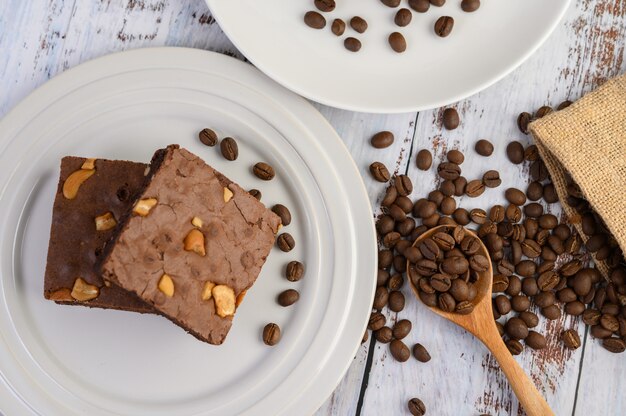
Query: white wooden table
pixel 41 38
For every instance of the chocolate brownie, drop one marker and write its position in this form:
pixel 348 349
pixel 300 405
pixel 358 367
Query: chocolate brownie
pixel 193 244
pixel 92 195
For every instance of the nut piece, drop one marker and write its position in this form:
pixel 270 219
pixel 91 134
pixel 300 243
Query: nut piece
pixel 143 206
pixel 240 298
pixel 166 285
pixel 83 291
pixel 61 295
pixel 228 194
pixel 195 242
pixel 89 164
pixel 197 222
pixel 206 292
pixel 105 222
pixel 224 298
pixel 74 181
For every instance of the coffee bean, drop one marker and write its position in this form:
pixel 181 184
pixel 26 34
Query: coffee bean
pixel 459 186
pixel 263 171
pixel 379 172
pixel 417 407
pixel 582 283
pixel 382 276
pixel 390 239
pixel 397 42
pixel 591 317
pixel 516 328
pixel 535 340
pixel 475 188
pixel 295 271
pixel 478 216
pixel 571 339
pixel 520 303
pixel 500 283
pixel 377 321
pixel 566 295
pixel 549 194
pixel 597 331
pixel 609 322
pixel 229 149
pixel 382 139
pixel 461 216
pixel 479 263
pixel 421 353
pixel 447 187
pixel 513 213
pixel 491 179
pixel 208 137
pixel 314 20
pixel 552 312
pixel 450 122
pixel 548 221
pixel 514 346
pixel 395 282
pixel 538 171
pixel 325 5
pixel 437 3
pixel 530 319
pixel 352 44
pixel 515 152
pixel 283 213
pixel 522 122
pixel 391 3
pixel 515 196
pixel 484 147
pixel 338 27
pixel 271 334
pixel 564 104
pixel 614 345
pixel 543 111
pixel 420 6
pixel 396 301
pixel 403 17
pixel 404 185
pixel 383 335
pixel 424 159
pixel 448 205
pixel 402 328
pixel 496 214
pixel 399 350
pixel 443 26
pixel 534 192
pixel 531 153
pixel 446 302
pixel 449 170
pixel 502 304
pixel 288 297
pixel 469 6
pixel 358 24
pixel 285 242
pixel 255 193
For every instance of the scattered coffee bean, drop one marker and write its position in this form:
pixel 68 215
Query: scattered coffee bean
pixel 358 24
pixel 379 172
pixel 325 5
pixel 571 339
pixel 469 6
pixel 229 148
pixel 271 334
pixel 564 104
pixel 515 152
pixel 383 335
pixel 288 297
pixel 484 147
pixel 535 340
pixel 284 214
pixel 531 153
pixel 420 6
pixel 396 301
pixel 514 346
pixel 522 122
pixel 264 171
pixel 475 188
pixel 377 321
pixel 338 27
pixel 491 179
pixel 421 353
pixel 534 191
pixel 285 242
pixel 437 3
pixel 530 319
pixel 314 20
pixel 208 137
pixel 424 159
pixel 515 196
pixel 403 17
pixel 443 26
pixel 450 119
pixel 417 407
pixel 382 139
pixel 614 345
pixel 255 193
pixel 516 328
pixel 402 328
pixel 448 170
pixel 352 44
pixel 397 42
pixel 391 3
pixel 399 350
pixel 543 111
pixel 294 271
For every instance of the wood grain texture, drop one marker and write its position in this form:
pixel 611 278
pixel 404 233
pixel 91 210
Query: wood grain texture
pixel 41 38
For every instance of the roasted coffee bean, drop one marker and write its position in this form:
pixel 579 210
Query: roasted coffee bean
pixel 566 295
pixel 295 271
pixel 543 111
pixel 448 170
pixel 382 277
pixel 448 205
pixel 531 226
pixel 285 242
pixel 609 322
pixel 444 241
pixel 417 407
pixel 614 345
pixel 440 282
pixel 533 210
pixel 534 192
pixel 515 196
pixel 500 283
pixel 596 242
pixel 314 20
pixel 424 159
pixel 552 312
pixel 474 188
pixel 255 193
pixel 420 6
pixel 516 328
pixel 208 137
pixel 396 301
pixel 526 268
pixel 403 17
pixel 535 340
pixel 531 153
pixel 483 147
pixel 548 280
pixel 352 44
pixel 459 186
pixel 514 346
pixel 288 297
pixel 538 171
pixel 591 317
pixel 377 321
pixel 338 27
pixel 478 216
pixel 549 194
pixel 437 3
pixel 470 245
pixel 530 319
pixel 358 24
pixel 454 155
pixel 562 232
pixel 496 214
pixel 421 353
pixel 582 282
pixel 469 6
pixel 564 104
pixel 450 122
pixel 429 249
pixel 379 172
pixel 405 227
pixel 545 299
pixel 459 290
pixel 571 339
pixel 464 307
pixel 491 179
pixel 404 185
pixel 402 328
pixel 382 139
pixel 399 350
pixel 399 262
pixel 325 5
pixel 542 236
pixel 597 331
pixel 383 335
pixel 397 42
pixel 502 304
pixel 385 224
pixel 515 286
pixel 396 212
pixel 412 254
pixel 431 221
pixel 548 221
pixel 446 302
pixel 531 248
pixel 520 303
pixel 395 282
pixel 455 265
pixel 404 203
pixel 505 267
pixel 513 213
pixel 271 334
pixel 391 3
pixel 493 242
pixel 436 197
pixel 479 263
pixel 229 149
pixel 283 213
pixel 443 26
pixel 381 296
pixel 516 252
pixel 515 152
pixel 461 216
pixel 522 122
pixel 447 187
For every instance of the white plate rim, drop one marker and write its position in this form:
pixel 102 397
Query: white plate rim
pixel 366 264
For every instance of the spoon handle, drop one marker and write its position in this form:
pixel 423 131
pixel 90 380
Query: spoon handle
pixel 531 400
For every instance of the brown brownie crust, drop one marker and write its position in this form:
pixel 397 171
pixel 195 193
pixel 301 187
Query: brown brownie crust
pixel 238 235
pixel 75 244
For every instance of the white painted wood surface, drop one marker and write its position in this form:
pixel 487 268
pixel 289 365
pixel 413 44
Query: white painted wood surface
pixel 41 38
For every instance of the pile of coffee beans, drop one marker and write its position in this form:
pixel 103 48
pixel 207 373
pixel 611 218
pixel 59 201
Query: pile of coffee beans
pixel 401 18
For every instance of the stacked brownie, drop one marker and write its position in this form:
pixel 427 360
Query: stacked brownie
pixel 176 238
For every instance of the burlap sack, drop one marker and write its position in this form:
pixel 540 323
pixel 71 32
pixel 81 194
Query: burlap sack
pixel 588 140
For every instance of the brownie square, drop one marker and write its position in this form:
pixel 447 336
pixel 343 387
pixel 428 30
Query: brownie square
pixel 86 209
pixel 194 243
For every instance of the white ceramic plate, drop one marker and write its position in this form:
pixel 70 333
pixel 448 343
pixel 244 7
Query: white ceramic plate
pixel 64 360
pixel 484 46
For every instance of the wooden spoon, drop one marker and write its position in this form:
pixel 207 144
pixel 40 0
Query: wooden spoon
pixel 481 324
